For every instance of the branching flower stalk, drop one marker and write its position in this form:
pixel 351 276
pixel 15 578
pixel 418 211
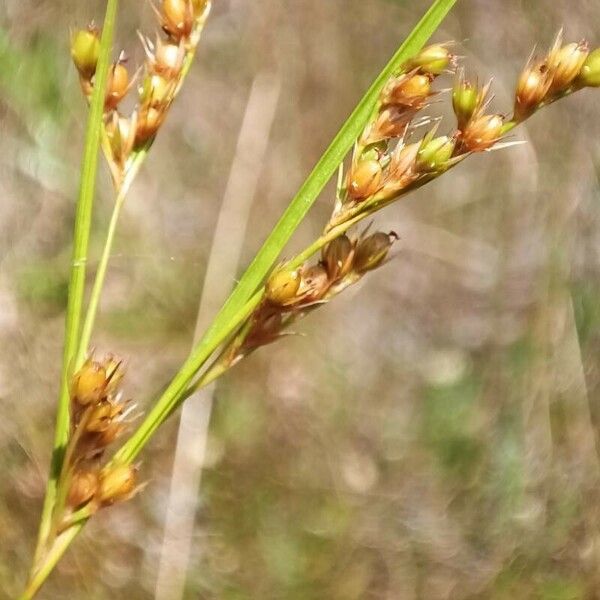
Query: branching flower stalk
pixel 386 164
pixel 388 161
pixel 78 486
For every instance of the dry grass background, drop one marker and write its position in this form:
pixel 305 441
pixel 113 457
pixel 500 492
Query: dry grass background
pixel 434 435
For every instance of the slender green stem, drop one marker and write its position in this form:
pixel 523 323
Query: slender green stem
pixel 50 560
pixel 81 236
pixel 92 310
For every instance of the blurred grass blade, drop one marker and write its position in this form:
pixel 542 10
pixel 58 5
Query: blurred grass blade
pixel 81 237
pixel 232 311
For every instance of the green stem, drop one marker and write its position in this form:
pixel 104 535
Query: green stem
pixel 92 311
pixel 81 237
pixel 51 558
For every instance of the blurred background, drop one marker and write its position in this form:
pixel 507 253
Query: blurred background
pixel 433 434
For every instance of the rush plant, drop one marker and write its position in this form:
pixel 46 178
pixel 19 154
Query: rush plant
pixel 395 147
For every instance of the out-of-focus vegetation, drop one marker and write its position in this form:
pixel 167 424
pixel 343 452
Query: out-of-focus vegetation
pixel 434 435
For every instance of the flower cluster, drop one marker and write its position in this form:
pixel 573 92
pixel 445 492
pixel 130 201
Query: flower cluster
pixel 291 293
pixel 386 164
pixel 159 79
pixel 98 417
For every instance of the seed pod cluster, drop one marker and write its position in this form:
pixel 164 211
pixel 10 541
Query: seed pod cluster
pixel 292 293
pixel 564 69
pixel 160 78
pixel 98 418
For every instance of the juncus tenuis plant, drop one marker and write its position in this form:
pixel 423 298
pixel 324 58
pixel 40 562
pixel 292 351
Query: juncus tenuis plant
pixel 397 146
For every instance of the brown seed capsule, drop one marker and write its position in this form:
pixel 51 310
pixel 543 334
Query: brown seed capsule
pixel 364 179
pixel 282 286
pixel 372 251
pixel 532 88
pixel 337 257
pixel 89 383
pixel 101 418
pixel 84 485
pixel 117 483
pixel 482 133
pixel 148 123
pixel 117 85
pixel 110 434
pixel 178 17
pixel 315 282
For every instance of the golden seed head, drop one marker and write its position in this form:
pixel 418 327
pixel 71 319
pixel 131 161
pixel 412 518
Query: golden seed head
pixel 590 71
pixel 85 50
pixel 364 179
pixel 372 251
pixel 117 483
pixel 282 286
pixel 178 17
pixel 89 383
pixel 117 85
pixel 434 154
pixel 566 63
pixel 433 60
pixel 532 88
pixel 482 133
pixel 337 257
pixel 84 485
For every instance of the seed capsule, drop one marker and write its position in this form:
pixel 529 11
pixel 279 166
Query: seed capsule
pixel 364 179
pixel 117 483
pixel 433 60
pixel 117 85
pixel 434 154
pixel 85 50
pixel 282 286
pixel 121 135
pixel 566 64
pixel 169 58
pixel 372 251
pixel 149 122
pixel 532 88
pixel 84 485
pixel 89 383
pixel 156 91
pixel 482 133
pixel 409 90
pixel 590 71
pixel 178 17
pixel 337 257
pixel 466 100
pixel 315 283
